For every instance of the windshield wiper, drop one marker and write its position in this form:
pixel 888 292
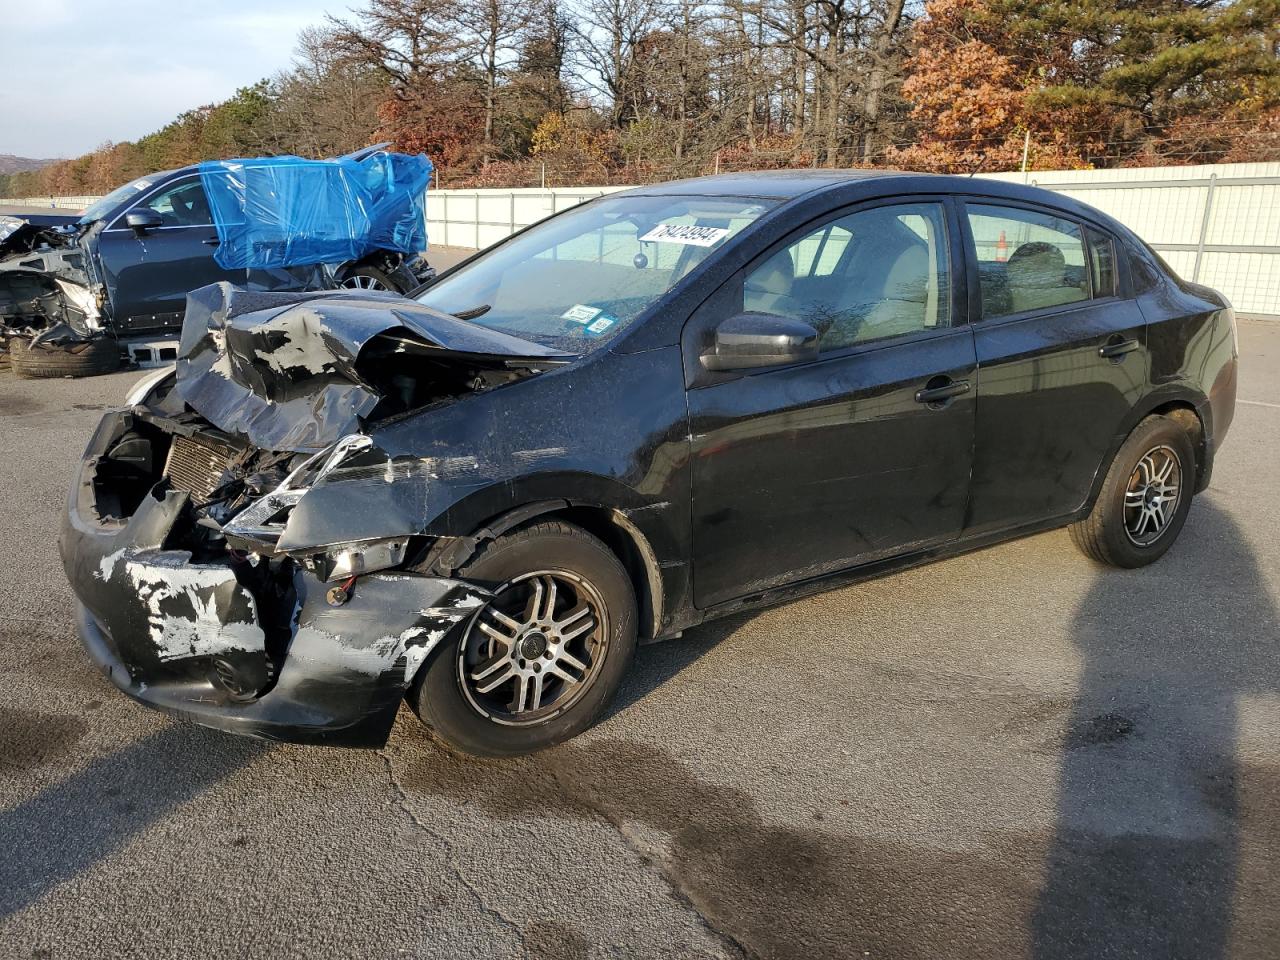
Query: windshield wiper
pixel 474 312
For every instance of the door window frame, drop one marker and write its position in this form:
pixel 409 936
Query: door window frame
pixel 719 306
pixel 146 198
pixel 1121 280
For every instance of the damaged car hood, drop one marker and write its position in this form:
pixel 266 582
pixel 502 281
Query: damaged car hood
pixel 25 233
pixel 298 371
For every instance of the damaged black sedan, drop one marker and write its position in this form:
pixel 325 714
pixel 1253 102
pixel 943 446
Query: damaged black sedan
pixel 651 410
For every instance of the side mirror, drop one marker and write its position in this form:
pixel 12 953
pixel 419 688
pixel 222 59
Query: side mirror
pixel 142 220
pixel 749 340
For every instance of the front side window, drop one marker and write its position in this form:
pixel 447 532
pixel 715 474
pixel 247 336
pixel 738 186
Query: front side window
pixel 581 278
pixel 873 274
pixel 1026 260
pixel 183 205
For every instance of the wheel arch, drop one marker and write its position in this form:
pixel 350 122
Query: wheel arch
pixel 1181 404
pixel 609 524
pixel 381 260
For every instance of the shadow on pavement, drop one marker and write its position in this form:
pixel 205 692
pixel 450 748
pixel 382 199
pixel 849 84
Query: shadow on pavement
pixel 657 663
pixel 1145 860
pixel 1142 861
pixel 67 827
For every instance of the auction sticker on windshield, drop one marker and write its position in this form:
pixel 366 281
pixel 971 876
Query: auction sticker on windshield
pixel 581 313
pixel 687 234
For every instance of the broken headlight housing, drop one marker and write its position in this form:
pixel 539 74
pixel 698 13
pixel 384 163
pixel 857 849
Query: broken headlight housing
pixel 262 523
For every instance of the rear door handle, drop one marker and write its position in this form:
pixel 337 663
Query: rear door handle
pixel 1117 350
pixel 944 391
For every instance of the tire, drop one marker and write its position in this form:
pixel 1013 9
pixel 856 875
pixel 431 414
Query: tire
pixel 43 362
pixel 369 278
pixel 447 697
pixel 1107 535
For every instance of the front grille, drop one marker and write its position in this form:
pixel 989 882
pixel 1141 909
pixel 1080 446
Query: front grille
pixel 196 467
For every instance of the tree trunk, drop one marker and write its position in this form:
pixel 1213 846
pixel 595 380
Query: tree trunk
pixel 879 72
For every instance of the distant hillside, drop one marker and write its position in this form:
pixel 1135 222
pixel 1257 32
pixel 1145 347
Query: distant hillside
pixel 11 164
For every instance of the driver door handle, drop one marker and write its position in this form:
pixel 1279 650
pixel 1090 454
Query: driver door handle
pixel 943 391
pixel 211 243
pixel 1117 349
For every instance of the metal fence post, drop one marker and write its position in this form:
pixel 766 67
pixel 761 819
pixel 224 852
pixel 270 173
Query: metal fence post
pixel 513 213
pixel 444 203
pixel 1204 227
pixel 477 219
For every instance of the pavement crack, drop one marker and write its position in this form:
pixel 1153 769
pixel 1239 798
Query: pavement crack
pixel 402 800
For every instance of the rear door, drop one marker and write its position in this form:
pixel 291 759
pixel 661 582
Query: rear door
pixel 148 276
pixel 1062 358
pixel 808 469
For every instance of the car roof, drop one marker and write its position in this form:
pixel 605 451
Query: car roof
pixel 788 186
pixel 773 184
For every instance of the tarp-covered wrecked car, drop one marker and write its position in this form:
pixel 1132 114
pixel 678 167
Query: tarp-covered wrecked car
pixel 653 409
pixel 77 292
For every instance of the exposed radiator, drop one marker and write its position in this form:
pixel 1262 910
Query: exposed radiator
pixel 195 467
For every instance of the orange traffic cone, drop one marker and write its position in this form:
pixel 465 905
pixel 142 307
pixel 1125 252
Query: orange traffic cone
pixel 1002 249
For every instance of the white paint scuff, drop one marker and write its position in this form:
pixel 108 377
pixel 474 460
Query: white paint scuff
pixel 204 633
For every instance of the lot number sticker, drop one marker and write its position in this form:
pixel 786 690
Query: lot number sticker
pixel 580 313
pixel 687 234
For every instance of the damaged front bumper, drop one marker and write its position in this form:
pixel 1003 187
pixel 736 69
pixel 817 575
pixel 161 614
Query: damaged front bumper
pixel 46 283
pixel 222 643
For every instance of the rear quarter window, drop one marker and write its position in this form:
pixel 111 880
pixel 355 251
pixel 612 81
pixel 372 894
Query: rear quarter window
pixel 1102 261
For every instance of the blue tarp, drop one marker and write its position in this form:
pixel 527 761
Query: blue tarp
pixel 288 211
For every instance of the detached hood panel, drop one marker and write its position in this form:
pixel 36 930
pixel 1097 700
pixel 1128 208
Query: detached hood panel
pixel 282 369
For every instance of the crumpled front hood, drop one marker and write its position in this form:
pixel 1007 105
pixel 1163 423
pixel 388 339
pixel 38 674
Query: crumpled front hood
pixel 283 368
pixel 25 233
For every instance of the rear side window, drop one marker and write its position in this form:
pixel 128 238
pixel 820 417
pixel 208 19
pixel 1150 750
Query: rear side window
pixel 1026 260
pixel 1102 259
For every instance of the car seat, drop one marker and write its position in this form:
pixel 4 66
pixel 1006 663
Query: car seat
pixel 1036 278
pixel 768 287
pixel 886 291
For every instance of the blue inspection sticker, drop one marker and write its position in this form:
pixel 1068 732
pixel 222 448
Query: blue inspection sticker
pixel 602 323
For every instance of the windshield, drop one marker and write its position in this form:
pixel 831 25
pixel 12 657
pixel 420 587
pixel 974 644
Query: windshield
pixel 582 277
pixel 100 208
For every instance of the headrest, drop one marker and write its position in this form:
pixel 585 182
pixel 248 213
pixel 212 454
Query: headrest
pixel 775 275
pixel 1037 264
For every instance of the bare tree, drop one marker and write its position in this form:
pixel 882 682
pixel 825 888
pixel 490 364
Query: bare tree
pixel 490 32
pixel 407 41
pixel 607 36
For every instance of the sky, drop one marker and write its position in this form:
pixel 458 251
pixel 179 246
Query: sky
pixel 79 73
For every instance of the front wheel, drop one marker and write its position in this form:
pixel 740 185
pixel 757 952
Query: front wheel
pixel 1144 499
pixel 539 662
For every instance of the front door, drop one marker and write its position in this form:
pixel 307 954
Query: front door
pixel 861 454
pixel 148 276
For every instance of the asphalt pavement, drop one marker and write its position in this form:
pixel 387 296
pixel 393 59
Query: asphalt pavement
pixel 1014 753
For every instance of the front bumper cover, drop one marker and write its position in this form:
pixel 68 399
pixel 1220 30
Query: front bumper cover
pixel 162 628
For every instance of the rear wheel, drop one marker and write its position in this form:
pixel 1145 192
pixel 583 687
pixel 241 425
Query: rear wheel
pixel 540 662
pixel 368 278
pixel 49 361
pixel 1144 499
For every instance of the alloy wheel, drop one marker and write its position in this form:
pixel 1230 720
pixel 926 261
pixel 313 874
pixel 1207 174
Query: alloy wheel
pixel 362 282
pixel 535 648
pixel 1152 495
